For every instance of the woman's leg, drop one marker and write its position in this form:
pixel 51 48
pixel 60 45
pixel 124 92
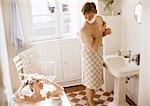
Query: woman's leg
pixel 90 96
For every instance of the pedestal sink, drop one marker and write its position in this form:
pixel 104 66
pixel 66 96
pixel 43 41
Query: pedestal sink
pixel 120 68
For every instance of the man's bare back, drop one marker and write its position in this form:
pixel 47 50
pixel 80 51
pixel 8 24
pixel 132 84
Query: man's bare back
pixel 92 31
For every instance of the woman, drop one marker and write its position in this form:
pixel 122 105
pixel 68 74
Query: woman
pixel 36 86
pixel 92 51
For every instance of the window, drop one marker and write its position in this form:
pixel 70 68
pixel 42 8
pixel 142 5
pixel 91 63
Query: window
pixel 44 18
pixel 55 18
pixel 68 14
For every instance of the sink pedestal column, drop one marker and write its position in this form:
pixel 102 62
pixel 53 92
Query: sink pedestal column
pixel 119 92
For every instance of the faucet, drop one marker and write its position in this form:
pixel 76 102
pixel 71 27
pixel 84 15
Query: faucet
pixel 129 56
pixel 136 58
pixel 124 54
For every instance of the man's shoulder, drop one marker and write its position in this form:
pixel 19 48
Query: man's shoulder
pixel 100 18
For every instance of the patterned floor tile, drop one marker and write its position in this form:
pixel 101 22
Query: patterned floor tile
pixel 82 102
pixel 79 96
pixel 76 95
pixel 101 98
pixel 100 101
pixel 106 102
pixel 104 97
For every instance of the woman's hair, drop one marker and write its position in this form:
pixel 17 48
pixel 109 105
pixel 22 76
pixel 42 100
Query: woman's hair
pixel 89 7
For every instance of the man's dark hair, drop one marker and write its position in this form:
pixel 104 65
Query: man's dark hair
pixel 89 7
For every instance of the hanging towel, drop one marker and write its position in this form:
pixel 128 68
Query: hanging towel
pixel 17 37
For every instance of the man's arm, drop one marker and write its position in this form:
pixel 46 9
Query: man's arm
pixel 96 41
pixel 107 32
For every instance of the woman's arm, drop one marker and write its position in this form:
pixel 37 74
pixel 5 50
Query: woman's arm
pixel 33 99
pixel 23 98
pixel 56 92
pixel 55 84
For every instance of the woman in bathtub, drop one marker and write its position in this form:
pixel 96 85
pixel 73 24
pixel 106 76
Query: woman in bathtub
pixel 36 85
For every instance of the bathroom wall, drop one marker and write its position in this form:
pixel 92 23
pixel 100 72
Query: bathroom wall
pixel 112 42
pixel 116 7
pixel 131 31
pixel 144 86
pixel 131 40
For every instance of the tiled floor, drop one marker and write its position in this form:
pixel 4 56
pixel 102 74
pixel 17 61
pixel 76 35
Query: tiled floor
pixel 76 96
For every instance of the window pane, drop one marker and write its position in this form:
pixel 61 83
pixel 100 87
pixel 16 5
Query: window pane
pixel 71 14
pixel 44 17
pixel 68 16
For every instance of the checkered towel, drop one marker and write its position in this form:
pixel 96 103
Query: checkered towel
pixel 92 68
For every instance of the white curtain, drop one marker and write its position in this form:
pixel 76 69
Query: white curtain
pixel 144 76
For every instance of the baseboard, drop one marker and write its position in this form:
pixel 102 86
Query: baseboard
pixel 70 83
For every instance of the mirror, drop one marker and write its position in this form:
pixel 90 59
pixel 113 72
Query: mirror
pixel 138 12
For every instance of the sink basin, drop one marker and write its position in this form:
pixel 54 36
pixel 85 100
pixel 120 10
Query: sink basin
pixel 120 67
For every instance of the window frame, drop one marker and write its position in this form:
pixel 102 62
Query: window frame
pixel 60 34
pixel 59 14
